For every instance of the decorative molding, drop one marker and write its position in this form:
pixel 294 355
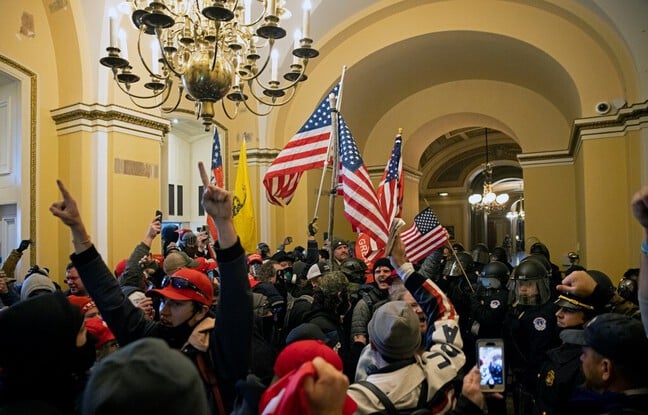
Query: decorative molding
pixel 33 111
pixel 625 119
pixel 108 118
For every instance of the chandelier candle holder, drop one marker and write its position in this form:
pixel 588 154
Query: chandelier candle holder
pixel 488 201
pixel 208 50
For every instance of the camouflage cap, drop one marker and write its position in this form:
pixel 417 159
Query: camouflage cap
pixel 333 282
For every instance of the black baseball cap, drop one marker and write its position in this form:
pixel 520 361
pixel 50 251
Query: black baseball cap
pixel 615 336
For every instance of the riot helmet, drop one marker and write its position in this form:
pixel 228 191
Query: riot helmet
pixel 494 275
pixel 354 269
pixel 530 285
pixel 457 247
pixel 542 260
pixel 452 267
pixel 499 254
pixel 480 254
pixel 540 249
pixel 629 285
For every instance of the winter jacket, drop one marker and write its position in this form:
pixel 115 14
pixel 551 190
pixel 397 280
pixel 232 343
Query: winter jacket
pixel 224 343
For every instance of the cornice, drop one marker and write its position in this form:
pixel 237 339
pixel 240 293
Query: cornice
pixel 625 119
pixel 100 117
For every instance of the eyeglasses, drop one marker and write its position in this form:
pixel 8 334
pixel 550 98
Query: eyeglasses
pixel 181 284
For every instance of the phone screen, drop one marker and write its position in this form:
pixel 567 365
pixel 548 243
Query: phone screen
pixel 490 357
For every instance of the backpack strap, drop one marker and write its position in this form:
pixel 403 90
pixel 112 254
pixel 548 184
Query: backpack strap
pixel 209 376
pixel 386 402
pixel 389 405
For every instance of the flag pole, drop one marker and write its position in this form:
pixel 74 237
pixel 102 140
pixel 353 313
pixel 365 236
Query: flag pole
pixel 463 271
pixel 329 149
pixel 334 170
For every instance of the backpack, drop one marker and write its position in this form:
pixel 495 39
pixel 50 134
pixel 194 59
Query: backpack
pixel 290 305
pixel 370 295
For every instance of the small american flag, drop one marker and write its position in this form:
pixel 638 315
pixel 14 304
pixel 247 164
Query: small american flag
pixel 218 179
pixel 306 150
pixel 217 161
pixel 424 236
pixel 361 206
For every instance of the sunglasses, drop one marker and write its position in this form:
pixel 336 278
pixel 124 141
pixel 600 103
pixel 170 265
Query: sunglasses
pixel 181 284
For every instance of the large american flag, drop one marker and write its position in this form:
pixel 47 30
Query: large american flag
pixel 390 189
pixel 217 178
pixel 361 206
pixel 424 236
pixel 306 150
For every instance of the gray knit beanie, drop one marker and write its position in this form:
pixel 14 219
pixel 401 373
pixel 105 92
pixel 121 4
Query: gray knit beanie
pixel 36 282
pixel 394 330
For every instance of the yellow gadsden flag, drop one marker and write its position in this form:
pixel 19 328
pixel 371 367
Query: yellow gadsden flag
pixel 243 208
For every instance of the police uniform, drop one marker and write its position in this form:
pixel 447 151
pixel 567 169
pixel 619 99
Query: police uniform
pixel 561 371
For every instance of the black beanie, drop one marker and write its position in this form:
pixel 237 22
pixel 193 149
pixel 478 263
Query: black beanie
pixel 382 262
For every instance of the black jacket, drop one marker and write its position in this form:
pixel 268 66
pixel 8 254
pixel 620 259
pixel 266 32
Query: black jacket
pixel 230 339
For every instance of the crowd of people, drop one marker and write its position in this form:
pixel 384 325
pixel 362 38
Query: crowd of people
pixel 207 328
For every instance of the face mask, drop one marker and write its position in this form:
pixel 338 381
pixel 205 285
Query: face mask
pixel 177 336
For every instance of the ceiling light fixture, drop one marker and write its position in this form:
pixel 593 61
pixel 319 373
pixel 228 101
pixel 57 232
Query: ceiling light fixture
pixel 488 201
pixel 210 50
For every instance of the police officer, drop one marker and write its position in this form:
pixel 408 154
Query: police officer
pixel 489 305
pixel 555 276
pixel 480 256
pixel 529 329
pixel 490 302
pixel 561 372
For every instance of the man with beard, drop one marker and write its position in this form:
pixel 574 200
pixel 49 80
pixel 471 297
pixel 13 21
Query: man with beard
pixel 221 352
pixel 614 362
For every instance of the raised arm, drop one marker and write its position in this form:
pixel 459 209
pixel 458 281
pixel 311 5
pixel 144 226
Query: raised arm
pixel 68 212
pixel 640 210
pixel 218 204
pixel 133 275
pixel 442 318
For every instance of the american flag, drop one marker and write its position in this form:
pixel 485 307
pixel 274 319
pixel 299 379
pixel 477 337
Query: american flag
pixel 306 150
pixel 424 236
pixel 390 189
pixel 217 178
pixel 361 206
pixel 390 198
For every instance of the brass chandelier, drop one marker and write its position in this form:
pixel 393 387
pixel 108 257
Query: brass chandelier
pixel 211 50
pixel 488 201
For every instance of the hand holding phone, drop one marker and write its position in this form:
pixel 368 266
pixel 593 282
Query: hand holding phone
pixel 158 215
pixel 490 360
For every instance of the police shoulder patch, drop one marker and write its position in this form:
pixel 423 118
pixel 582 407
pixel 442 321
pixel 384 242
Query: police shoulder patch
pixel 539 323
pixel 549 379
pixel 495 303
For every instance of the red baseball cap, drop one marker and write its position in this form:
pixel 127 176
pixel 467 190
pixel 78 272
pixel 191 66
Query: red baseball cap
pixel 186 284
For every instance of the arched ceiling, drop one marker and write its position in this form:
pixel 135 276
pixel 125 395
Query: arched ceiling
pixel 380 80
pixel 442 69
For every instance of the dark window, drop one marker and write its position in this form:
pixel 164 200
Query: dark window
pixel 201 209
pixel 180 199
pixel 171 199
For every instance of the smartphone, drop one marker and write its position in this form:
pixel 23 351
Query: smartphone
pixel 158 214
pixel 490 358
